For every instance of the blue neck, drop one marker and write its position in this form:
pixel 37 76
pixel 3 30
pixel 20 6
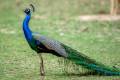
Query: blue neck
pixel 27 31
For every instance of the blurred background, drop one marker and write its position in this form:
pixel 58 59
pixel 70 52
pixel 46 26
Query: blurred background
pixel 89 26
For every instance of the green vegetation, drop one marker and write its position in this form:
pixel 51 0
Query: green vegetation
pixel 55 18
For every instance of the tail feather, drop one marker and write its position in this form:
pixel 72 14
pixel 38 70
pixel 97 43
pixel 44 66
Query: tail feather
pixel 81 59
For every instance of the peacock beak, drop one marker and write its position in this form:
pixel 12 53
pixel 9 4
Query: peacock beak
pixel 24 11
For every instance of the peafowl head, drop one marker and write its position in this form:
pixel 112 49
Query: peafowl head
pixel 28 10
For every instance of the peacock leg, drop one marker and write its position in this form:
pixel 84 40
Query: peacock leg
pixel 42 72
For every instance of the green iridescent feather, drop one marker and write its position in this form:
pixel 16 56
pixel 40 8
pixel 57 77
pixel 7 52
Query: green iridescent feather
pixel 81 59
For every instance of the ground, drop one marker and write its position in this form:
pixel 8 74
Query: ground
pixel 99 40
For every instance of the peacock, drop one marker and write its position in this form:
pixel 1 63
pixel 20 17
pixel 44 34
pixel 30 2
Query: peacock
pixel 42 44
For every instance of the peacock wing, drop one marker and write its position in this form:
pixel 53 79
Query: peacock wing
pixel 51 44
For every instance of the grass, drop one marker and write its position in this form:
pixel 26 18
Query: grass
pixel 98 40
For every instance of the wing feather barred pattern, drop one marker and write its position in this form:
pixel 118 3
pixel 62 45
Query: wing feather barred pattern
pixel 51 44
